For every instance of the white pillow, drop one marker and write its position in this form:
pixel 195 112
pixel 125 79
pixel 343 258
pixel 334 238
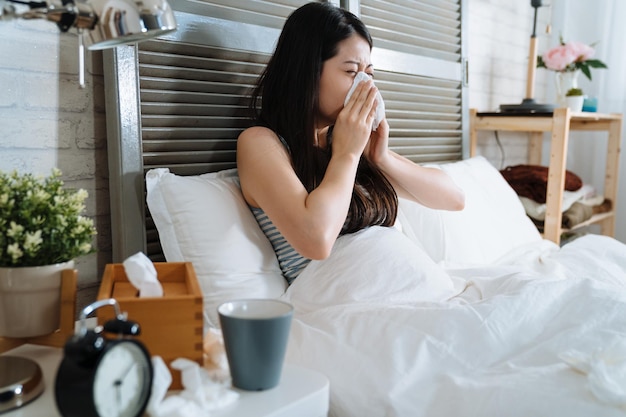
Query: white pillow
pixel 204 220
pixel 492 223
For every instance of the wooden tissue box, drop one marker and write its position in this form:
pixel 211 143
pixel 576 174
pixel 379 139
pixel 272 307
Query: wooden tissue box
pixel 172 325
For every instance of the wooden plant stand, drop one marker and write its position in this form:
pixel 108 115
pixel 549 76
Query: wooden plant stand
pixel 69 279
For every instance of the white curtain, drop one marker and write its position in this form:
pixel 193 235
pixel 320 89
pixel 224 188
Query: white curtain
pixel 602 22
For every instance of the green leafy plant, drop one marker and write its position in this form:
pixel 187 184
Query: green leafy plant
pixel 40 221
pixel 574 92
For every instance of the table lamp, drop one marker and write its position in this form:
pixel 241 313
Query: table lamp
pixel 529 105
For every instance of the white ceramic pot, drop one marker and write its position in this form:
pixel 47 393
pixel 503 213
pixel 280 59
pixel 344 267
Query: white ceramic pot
pixel 30 299
pixel 575 103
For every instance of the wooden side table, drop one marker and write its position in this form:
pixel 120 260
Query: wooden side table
pixel 559 123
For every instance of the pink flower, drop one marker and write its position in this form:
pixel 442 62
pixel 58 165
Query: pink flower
pixel 570 56
pixel 581 51
pixel 559 57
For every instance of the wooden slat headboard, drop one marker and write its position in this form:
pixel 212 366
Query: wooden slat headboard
pixel 181 101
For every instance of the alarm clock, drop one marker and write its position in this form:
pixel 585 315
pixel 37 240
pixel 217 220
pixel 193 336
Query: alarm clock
pixel 104 376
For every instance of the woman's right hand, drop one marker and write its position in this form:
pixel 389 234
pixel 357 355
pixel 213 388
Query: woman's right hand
pixel 354 123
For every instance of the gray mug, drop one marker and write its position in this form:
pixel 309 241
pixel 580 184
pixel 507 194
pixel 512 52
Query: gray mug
pixel 255 335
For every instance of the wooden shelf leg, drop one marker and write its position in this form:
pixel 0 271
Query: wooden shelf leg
pixel 535 146
pixel 473 134
pixel 556 174
pixel 611 174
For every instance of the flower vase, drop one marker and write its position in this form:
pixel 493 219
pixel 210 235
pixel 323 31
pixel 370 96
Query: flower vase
pixel 565 80
pixel 30 299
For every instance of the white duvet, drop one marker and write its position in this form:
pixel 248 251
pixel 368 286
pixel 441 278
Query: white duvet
pixel 541 333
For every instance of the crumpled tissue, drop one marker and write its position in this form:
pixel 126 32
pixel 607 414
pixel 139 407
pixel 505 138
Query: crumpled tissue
pixel 605 369
pixel 204 388
pixel 200 395
pixel 215 360
pixel 143 275
pixel 380 107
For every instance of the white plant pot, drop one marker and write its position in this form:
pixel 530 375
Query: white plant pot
pixel 575 103
pixel 30 299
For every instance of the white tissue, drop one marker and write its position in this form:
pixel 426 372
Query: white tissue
pixel 200 394
pixel 380 107
pixel 605 369
pixel 143 275
pixel 161 381
pixel 200 388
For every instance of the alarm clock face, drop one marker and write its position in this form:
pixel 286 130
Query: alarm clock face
pixel 123 380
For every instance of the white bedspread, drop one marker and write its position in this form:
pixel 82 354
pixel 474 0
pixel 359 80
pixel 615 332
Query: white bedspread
pixel 542 333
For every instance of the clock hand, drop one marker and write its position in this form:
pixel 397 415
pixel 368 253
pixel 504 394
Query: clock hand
pixel 118 390
pixel 118 393
pixel 121 379
pixel 117 384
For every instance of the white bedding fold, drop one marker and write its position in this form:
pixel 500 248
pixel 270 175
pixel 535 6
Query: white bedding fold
pixel 412 339
pixel 376 265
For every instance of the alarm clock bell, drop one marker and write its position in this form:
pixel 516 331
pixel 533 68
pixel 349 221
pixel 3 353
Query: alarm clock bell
pixel 103 376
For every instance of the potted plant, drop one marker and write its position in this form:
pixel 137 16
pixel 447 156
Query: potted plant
pixel 42 231
pixel 575 99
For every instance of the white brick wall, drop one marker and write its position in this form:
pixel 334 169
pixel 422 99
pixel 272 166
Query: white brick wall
pixel 499 40
pixel 47 121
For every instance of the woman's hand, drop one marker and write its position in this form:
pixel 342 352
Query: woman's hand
pixel 377 148
pixel 354 122
pixel 430 187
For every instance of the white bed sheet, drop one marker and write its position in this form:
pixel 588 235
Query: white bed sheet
pixel 415 339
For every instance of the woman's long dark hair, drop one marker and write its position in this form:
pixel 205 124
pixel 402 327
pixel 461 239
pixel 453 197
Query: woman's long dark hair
pixel 286 100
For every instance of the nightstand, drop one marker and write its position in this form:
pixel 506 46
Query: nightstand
pixel 559 123
pixel 302 392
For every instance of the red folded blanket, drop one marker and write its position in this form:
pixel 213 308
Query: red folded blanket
pixel 531 181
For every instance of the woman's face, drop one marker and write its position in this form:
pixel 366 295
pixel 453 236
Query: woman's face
pixel 338 74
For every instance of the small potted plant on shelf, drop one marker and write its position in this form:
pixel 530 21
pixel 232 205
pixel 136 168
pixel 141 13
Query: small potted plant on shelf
pixel 42 231
pixel 575 99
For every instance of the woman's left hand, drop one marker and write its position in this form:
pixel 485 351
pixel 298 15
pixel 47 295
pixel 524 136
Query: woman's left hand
pixel 429 186
pixel 377 148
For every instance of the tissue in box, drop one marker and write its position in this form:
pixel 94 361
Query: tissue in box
pixel 171 326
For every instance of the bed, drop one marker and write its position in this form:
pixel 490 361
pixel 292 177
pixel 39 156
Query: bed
pixel 465 313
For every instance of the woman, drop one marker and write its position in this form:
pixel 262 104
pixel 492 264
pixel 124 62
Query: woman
pixel 312 169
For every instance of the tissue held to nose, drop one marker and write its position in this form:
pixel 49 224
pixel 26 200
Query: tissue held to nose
pixel 380 107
